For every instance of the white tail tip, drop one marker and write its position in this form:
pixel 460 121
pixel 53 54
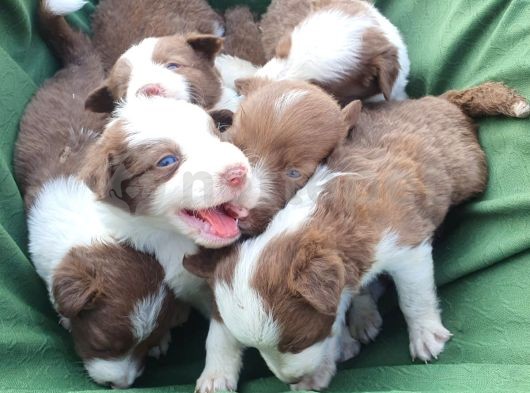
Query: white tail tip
pixel 521 109
pixel 63 7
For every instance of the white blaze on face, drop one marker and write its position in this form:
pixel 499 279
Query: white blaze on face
pixel 145 71
pixel 119 373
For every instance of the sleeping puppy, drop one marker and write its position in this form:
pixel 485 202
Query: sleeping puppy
pixel 168 56
pixel 345 46
pixel 372 208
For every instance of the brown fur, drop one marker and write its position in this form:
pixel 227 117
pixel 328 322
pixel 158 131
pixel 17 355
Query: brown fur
pixel 403 166
pixel 299 139
pixel 243 37
pixel 119 24
pixel 98 287
pixel 55 129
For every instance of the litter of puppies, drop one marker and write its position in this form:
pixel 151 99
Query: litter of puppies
pixel 267 185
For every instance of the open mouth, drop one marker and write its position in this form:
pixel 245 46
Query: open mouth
pixel 219 222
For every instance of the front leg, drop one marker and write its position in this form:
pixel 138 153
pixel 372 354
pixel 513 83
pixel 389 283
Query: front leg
pixel 414 278
pixel 223 360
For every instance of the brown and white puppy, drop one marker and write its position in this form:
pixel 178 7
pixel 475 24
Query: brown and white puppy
pixel 164 54
pixel 372 208
pixel 158 179
pixel 118 308
pixel 113 299
pixel 286 129
pixel 346 46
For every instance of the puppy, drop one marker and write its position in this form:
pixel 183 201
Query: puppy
pixel 372 208
pixel 285 129
pixel 345 46
pixel 180 65
pixel 113 299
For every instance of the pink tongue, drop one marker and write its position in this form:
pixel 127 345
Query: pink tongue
pixel 221 224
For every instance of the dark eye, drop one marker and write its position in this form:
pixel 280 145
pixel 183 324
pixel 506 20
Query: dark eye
pixel 293 173
pixel 173 66
pixel 167 161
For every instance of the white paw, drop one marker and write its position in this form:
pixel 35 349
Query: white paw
pixel 161 348
pixel 65 323
pixel 214 383
pixel 427 341
pixel 521 109
pixel 364 319
pixel 348 347
pixel 318 381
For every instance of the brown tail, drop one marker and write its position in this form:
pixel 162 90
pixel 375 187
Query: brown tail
pixel 69 45
pixel 489 99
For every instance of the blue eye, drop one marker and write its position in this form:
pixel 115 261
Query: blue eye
pixel 167 161
pixel 172 66
pixel 293 173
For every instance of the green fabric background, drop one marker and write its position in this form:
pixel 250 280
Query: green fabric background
pixel 482 255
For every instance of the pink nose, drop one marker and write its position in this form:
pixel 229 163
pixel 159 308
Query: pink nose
pixel 236 176
pixel 151 90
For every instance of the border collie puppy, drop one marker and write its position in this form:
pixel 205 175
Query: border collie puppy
pixel 372 208
pixel 345 46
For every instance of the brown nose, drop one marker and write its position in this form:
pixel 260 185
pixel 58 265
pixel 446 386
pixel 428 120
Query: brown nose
pixel 151 90
pixel 236 176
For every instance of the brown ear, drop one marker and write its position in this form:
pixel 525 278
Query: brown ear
pixel 245 86
pixel 100 100
pixel 207 45
pixel 317 274
pixel 387 66
pixel 284 47
pixel 76 286
pixel 97 173
pixel 222 118
pixel 352 112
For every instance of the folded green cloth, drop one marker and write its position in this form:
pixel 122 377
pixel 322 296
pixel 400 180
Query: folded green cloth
pixel 482 254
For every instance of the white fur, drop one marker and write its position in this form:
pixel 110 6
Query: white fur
pixel 64 7
pixel 287 100
pixel 223 360
pixel 218 29
pixel 145 71
pixel 412 271
pixel 229 100
pixel 63 216
pixel 144 317
pixel 120 372
pixel 327 45
pixel 232 68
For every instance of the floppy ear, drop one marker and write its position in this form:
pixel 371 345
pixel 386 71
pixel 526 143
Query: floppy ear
pixel 97 173
pixel 100 100
pixel 387 66
pixel 245 86
pixel 317 274
pixel 352 112
pixel 284 47
pixel 206 45
pixel 76 286
pixel 222 119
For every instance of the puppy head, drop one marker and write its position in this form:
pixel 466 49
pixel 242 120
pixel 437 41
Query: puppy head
pixel 285 129
pixel 281 293
pixel 118 308
pixel 173 66
pixel 162 160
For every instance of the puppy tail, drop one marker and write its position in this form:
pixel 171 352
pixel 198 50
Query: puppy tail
pixel 489 99
pixel 69 45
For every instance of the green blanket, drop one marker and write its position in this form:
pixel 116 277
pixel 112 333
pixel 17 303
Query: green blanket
pixel 482 254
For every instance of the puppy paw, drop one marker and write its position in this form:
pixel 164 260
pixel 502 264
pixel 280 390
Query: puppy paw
pixel 161 348
pixel 318 381
pixel 521 109
pixel 427 341
pixel 348 347
pixel 364 319
pixel 215 383
pixel 65 323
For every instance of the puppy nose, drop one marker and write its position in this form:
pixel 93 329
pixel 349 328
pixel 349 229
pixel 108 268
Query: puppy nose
pixel 151 90
pixel 236 176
